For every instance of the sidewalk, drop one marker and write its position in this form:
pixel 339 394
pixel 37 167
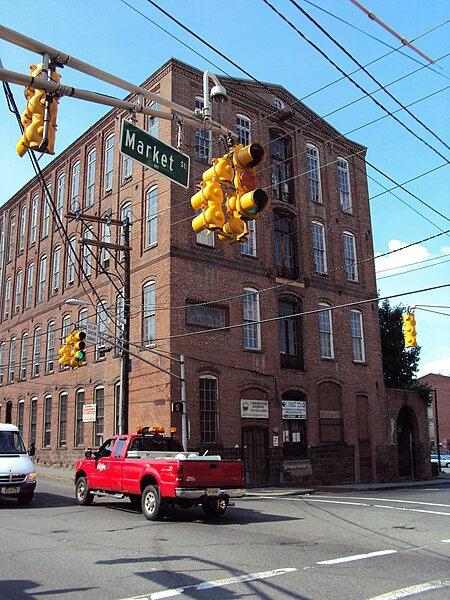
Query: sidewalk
pixel 66 475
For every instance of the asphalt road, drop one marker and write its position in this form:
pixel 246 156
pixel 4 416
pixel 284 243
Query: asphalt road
pixel 348 546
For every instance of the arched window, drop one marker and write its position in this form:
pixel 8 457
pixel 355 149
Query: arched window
pixel 20 415
pixel 7 298
pixel 243 130
pixel 151 217
pixel 252 327
pixel 56 269
pixel 356 320
pixel 42 278
pixel 99 425
pixel 290 334
pixel 33 419
pixel 79 425
pixel 46 211
pixel 75 189
pixel 345 193
pixel 50 355
pixel 12 359
pixel 319 247
pixel 34 219
pixel 23 356
pixel 47 429
pixel 23 228
pixel 326 331
pixel 203 138
pixel 285 246
pixel 90 179
pixel 60 199
pixel 314 185
pixel 30 285
pixel 87 253
pixel 109 163
pixel 208 404
pixel 36 360
pixel 18 292
pixel 62 419
pixel 281 166
pixel 149 313
pixel 351 265
pixel 71 258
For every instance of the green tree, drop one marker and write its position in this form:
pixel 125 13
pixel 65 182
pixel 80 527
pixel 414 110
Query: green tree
pixel 399 364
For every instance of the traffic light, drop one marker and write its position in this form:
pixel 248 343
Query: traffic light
pixel 64 354
pixel 210 197
pixel 39 117
pixel 234 229
pixel 78 354
pixel 250 200
pixel 409 330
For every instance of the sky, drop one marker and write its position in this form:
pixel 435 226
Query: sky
pixel 406 130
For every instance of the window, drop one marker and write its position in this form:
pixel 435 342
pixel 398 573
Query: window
pixel 127 167
pixel 33 420
pixel 248 248
pixel 87 253
pixel 149 314
pixel 36 352
pixel 320 256
pixel 208 409
pixel 12 359
pixel 18 292
pixel 47 430
pixel 295 444
pixel 90 179
pixel 83 317
pixel 102 323
pixel 344 186
pixel 20 415
pixel 46 211
pixel 109 163
pixel 12 231
pixel 34 219
pixel 49 360
pixel 202 138
pixel 23 356
pixel 252 328
pixel 71 257
pixel 351 266
pixel 30 282
pixel 357 336
pixel 60 199
pixel 151 227
pixel 281 167
pixel 23 228
pixel 7 298
pixel 2 361
pixel 325 332
pixel 315 189
pixel 243 125
pixel 79 425
pixel 75 193
pixel 99 425
pixel 62 419
pixel 285 246
pixel 56 269
pixel 153 122
pixel 105 253
pixel 42 278
pixel 289 330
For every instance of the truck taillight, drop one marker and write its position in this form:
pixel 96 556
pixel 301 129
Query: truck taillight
pixel 179 475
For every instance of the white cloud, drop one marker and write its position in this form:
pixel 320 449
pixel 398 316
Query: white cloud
pixel 399 259
pixel 439 366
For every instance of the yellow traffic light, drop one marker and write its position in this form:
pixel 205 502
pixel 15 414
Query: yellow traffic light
pixel 78 354
pixel 409 330
pixel 250 201
pixel 64 354
pixel 39 117
pixel 210 197
pixel 234 229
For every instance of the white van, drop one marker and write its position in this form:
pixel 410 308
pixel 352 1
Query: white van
pixel 17 474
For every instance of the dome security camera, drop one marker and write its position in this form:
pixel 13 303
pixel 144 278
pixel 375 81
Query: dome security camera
pixel 218 94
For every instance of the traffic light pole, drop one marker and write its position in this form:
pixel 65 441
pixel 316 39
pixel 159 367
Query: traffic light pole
pixel 125 356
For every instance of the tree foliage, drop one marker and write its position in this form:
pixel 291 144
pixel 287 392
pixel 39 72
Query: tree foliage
pixel 399 364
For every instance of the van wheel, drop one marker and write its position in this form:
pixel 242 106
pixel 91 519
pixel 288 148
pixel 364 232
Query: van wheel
pixel 25 498
pixel 214 508
pixel 83 495
pixel 151 502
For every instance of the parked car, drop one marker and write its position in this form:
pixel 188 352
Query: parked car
pixel 445 459
pixel 17 474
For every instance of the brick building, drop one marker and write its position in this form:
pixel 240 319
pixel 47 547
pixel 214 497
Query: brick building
pixel 441 403
pixel 273 375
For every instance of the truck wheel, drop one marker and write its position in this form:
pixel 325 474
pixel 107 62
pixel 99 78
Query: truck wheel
pixel 25 498
pixel 151 502
pixel 83 495
pixel 214 508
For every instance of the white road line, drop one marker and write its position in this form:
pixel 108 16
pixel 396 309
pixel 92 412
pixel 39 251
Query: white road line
pixel 344 559
pixel 394 501
pixel 413 590
pixel 207 585
pixel 418 510
pixel 310 499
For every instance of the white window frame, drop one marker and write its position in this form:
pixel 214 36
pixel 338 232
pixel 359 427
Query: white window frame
pixel 30 285
pixel 56 269
pixel 149 313
pixel 12 359
pixel 248 248
pixel 90 178
pixel 50 353
pixel 351 264
pixel 71 257
pixel 12 233
pixel 75 188
pixel 109 163
pixel 243 129
pixel 7 298
pixel 151 216
pixel 87 253
pixel 42 277
pixel 319 247
pixel 326 331
pixel 251 319
pixel 23 356
pixel 46 211
pixel 18 291
pixel 60 198
pixel 35 365
pixel 203 138
pixel 23 227
pixel 153 122
pixel 357 330
pixel 314 181
pixel 345 192
pixel 34 219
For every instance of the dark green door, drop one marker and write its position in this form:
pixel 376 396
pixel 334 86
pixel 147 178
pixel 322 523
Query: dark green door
pixel 255 456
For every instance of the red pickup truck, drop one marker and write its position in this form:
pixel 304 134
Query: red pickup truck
pixel 155 473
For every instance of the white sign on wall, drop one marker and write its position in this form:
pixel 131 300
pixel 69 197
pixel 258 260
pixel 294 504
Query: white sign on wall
pixel 255 409
pixel 89 413
pixel 293 409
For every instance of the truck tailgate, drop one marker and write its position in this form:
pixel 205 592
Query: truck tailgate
pixel 211 473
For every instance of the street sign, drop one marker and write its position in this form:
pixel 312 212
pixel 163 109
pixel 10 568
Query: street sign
pixel 91 330
pixel 154 154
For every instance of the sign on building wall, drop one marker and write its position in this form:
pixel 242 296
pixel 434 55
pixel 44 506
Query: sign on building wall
pixel 89 413
pixel 254 409
pixel 293 409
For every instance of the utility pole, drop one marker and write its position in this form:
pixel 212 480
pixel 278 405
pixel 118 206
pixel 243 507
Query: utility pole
pixel 125 343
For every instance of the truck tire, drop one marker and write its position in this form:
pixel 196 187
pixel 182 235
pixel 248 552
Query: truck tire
pixel 25 498
pixel 151 501
pixel 83 495
pixel 214 508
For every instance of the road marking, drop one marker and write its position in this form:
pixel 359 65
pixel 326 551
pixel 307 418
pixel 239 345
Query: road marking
pixel 395 501
pixel 418 510
pixel 309 499
pixel 413 590
pixel 344 559
pixel 207 585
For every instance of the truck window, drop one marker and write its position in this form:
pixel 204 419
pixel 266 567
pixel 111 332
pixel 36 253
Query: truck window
pixel 106 448
pixel 118 448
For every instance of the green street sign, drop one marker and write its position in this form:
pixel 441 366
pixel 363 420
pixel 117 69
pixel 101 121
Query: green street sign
pixel 154 154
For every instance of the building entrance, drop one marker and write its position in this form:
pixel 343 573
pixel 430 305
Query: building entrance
pixel 255 444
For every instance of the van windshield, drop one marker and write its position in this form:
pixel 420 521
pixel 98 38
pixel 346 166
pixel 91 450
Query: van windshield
pixel 11 443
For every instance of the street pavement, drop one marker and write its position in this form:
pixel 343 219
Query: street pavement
pixel 67 475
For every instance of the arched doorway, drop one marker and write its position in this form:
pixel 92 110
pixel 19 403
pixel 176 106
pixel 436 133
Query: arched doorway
pixel 255 445
pixel 407 440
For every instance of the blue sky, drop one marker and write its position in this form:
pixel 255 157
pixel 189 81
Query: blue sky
pixel 111 35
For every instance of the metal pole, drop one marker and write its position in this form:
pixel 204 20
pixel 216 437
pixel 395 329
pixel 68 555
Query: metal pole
pixel 436 424
pixel 184 420
pixel 125 362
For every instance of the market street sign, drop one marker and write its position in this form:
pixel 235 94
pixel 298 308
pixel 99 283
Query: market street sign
pixel 154 154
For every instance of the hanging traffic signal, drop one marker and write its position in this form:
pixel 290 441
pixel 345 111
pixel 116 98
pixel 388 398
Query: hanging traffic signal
pixel 235 228
pixel 250 200
pixel 409 330
pixel 39 117
pixel 78 354
pixel 210 197
pixel 64 354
